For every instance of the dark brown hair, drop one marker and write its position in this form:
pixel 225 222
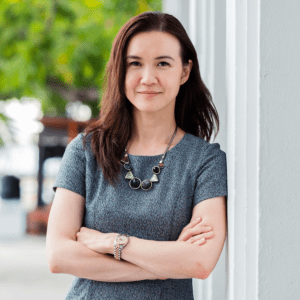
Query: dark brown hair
pixel 195 112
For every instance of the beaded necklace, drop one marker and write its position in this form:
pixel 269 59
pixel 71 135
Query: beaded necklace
pixel 146 184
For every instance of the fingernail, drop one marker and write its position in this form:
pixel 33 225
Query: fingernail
pixel 197 219
pixel 208 227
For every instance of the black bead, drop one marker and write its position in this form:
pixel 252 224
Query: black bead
pixel 127 167
pixel 134 183
pixel 156 170
pixel 146 184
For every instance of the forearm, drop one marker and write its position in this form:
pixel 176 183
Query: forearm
pixel 169 259
pixel 75 259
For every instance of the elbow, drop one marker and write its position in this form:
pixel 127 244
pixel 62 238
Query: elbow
pixel 58 256
pixel 53 269
pixel 201 272
pixel 53 259
pixel 53 265
pixel 205 274
pixel 55 250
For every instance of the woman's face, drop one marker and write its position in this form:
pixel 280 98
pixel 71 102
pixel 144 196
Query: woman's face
pixel 153 65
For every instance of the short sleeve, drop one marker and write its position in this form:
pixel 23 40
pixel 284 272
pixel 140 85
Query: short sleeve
pixel 71 173
pixel 212 179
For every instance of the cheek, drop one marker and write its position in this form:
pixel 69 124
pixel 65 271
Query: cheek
pixel 130 82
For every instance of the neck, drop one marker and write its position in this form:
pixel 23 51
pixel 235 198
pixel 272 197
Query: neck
pixel 150 132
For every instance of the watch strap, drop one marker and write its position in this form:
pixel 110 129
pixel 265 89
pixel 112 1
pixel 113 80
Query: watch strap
pixel 118 247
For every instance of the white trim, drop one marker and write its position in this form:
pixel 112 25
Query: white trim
pixel 192 21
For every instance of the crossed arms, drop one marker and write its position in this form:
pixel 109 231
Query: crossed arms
pixel 142 259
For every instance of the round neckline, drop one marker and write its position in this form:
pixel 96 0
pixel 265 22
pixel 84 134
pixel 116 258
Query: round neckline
pixel 159 155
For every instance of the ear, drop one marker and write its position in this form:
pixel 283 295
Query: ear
pixel 186 72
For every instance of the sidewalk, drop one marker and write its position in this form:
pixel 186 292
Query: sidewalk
pixel 24 272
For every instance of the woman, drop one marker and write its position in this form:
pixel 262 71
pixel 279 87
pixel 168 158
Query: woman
pixel 131 187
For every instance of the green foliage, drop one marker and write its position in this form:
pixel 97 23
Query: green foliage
pixel 69 41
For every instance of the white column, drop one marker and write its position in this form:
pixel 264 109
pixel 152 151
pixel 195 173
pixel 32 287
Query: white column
pixel 242 142
pixel 206 28
pixel 210 45
pixel 263 91
pixel 179 9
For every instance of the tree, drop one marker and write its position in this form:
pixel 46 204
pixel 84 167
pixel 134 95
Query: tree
pixel 56 50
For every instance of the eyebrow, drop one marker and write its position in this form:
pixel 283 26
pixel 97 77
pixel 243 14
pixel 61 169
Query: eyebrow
pixel 160 57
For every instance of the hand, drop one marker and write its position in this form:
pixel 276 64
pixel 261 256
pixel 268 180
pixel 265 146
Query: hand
pixel 94 240
pixel 194 232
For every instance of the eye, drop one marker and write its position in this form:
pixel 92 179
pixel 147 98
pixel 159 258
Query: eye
pixel 132 63
pixel 136 62
pixel 163 62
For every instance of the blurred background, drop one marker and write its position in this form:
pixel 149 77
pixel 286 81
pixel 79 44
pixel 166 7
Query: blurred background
pixel 53 55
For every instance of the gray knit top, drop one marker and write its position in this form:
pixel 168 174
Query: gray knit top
pixel 195 170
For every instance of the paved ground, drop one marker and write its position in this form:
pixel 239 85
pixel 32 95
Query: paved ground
pixel 24 272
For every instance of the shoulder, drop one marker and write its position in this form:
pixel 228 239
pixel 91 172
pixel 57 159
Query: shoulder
pixel 78 150
pixel 204 153
pixel 78 142
pixel 199 146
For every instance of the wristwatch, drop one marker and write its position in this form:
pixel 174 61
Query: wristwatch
pixel 120 242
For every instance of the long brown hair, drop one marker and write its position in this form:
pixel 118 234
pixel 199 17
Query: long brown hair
pixel 195 112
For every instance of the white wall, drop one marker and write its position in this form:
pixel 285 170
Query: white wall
pixel 279 184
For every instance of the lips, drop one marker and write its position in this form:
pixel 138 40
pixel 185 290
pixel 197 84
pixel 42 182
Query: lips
pixel 149 92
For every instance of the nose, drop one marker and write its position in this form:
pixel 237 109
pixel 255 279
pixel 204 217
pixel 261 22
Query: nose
pixel 148 76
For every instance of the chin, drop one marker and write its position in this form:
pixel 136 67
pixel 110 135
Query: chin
pixel 146 107
pixel 147 110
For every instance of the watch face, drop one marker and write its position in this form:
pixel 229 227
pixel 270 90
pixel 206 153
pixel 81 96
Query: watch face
pixel 122 240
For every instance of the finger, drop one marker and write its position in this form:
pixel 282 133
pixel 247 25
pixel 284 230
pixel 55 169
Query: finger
pixel 206 236
pixel 186 232
pixel 209 234
pixel 197 230
pixel 197 220
pixel 190 232
pixel 199 242
pixel 193 223
pixel 201 228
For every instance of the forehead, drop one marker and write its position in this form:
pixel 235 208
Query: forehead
pixel 153 43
